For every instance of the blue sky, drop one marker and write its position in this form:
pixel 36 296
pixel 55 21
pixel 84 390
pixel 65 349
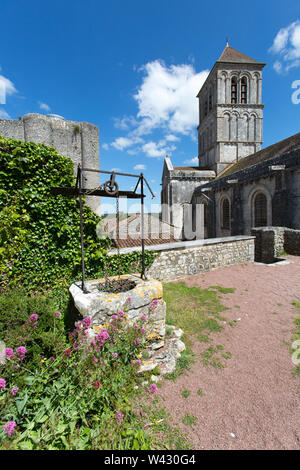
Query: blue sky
pixel 134 67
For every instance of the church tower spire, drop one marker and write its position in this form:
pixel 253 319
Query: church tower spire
pixel 230 110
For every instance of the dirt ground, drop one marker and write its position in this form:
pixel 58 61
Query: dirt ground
pixel 254 402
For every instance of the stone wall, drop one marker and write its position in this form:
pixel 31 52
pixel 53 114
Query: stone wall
pixel 272 241
pixel 77 140
pixel 281 189
pixel 177 260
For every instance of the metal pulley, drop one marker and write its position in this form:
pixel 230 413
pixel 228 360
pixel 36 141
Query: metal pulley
pixel 111 187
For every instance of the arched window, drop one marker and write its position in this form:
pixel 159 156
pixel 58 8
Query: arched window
pixel 205 108
pixel 210 102
pixel 225 214
pixel 244 91
pixel 234 90
pixel 260 210
pixel 226 124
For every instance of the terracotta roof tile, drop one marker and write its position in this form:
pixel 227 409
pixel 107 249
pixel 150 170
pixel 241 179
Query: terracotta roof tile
pixel 131 242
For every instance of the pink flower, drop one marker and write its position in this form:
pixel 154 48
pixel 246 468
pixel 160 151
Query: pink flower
pixel 136 327
pixel 87 322
pixel 52 359
pixel 67 352
pixel 97 384
pixel 143 330
pixel 33 318
pixel 9 427
pixel 95 359
pixel 121 313
pixel 14 391
pixel 138 340
pixel 2 383
pixel 152 389
pixel 114 317
pixel 115 355
pixel 143 317
pixel 136 363
pixel 79 325
pixel 128 300
pixel 57 314
pixel 20 353
pixel 119 418
pixel 9 352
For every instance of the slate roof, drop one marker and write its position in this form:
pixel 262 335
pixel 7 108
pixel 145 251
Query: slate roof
pixel 232 55
pixel 281 147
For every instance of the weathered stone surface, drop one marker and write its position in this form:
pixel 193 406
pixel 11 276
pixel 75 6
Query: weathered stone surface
pixel 165 358
pixel 76 140
pixel 100 305
pixel 270 242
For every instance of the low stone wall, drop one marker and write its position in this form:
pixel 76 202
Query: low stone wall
pixel 177 260
pixel 292 241
pixel 272 241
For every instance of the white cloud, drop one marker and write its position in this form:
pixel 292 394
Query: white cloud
pixel 167 97
pixel 105 146
pixel 125 123
pixel 172 138
pixel 7 88
pixel 166 101
pixel 277 66
pixel 139 167
pixel 286 44
pixel 115 169
pixel 192 161
pixel 4 114
pixel 122 143
pixel 44 106
pixel 154 149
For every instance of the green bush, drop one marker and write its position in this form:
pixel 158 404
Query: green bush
pixel 16 307
pixel 40 232
pixel 82 398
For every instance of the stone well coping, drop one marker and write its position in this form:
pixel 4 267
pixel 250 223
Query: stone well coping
pixel 186 244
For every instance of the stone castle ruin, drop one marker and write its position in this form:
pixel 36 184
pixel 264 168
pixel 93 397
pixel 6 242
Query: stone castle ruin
pixel 77 140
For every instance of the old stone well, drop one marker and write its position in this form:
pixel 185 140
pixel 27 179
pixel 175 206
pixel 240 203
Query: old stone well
pixel 146 298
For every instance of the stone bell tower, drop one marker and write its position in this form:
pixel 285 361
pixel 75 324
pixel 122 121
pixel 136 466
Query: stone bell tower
pixel 230 111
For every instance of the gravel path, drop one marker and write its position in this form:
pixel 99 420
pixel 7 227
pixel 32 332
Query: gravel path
pixel 254 402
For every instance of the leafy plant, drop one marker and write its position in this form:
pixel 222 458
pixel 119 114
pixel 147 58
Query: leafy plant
pixel 40 232
pixel 189 420
pixel 67 401
pixel 185 393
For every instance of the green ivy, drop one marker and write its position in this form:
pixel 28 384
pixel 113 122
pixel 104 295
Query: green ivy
pixel 40 232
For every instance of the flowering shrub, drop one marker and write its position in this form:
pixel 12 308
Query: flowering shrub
pixel 31 322
pixel 77 398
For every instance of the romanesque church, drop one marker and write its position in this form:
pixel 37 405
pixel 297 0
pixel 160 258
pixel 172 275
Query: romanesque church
pixel 236 185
